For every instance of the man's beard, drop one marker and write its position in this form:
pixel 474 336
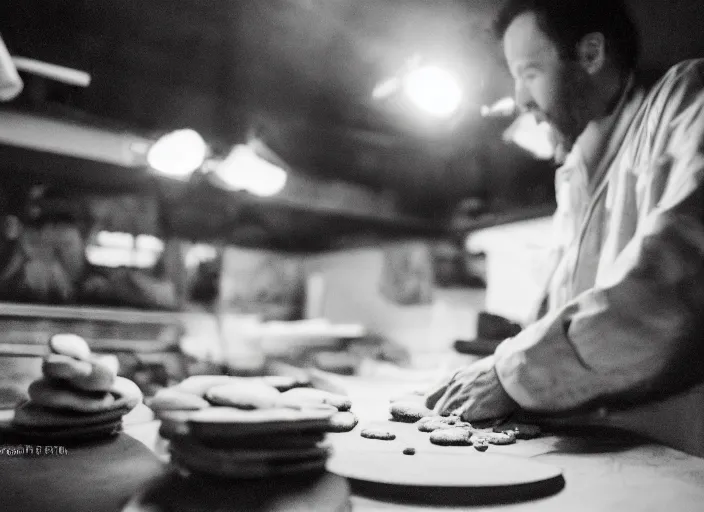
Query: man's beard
pixel 569 114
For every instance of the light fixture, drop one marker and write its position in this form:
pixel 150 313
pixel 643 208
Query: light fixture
pixel 114 249
pixel 178 154
pixel 10 82
pixel 434 90
pixel 534 137
pixel 55 72
pixel 243 169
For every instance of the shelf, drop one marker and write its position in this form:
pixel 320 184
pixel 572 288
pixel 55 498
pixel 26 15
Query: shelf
pixel 118 315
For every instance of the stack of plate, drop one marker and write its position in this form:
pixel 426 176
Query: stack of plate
pixel 33 423
pixel 234 443
pixel 236 427
pixel 38 423
pixel 79 396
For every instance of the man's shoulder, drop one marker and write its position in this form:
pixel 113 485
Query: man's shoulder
pixel 680 87
pixel 688 74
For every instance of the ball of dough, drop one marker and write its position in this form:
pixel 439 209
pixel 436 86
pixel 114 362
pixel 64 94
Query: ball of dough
pixel 70 345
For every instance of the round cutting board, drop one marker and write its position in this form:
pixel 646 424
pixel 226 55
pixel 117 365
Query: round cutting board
pixel 455 477
pixel 174 493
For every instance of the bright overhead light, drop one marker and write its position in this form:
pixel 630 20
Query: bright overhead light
pixel 536 138
pixel 243 169
pixel 434 90
pixel 11 84
pixel 178 154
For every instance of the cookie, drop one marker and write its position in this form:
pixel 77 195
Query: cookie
pixel 342 422
pixel 300 397
pixel 481 446
pixel 380 435
pixel 101 378
pixel 63 367
pixel 457 436
pixel 199 384
pixel 501 438
pixel 432 423
pixel 32 415
pixel 173 423
pixel 247 395
pixel 521 430
pixel 282 382
pixel 170 399
pixel 127 394
pixel 52 396
pixel 70 345
pixel 409 412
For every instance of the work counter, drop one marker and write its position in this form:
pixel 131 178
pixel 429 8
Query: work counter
pixel 603 470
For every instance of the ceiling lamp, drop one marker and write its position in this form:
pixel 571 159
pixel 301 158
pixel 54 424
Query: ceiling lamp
pixel 10 82
pixel 244 169
pixel 178 154
pixel 433 90
pixel 52 71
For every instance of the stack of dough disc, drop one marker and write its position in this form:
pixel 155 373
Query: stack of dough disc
pixel 79 397
pixel 234 427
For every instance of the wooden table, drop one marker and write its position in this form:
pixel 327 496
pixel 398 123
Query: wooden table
pixel 603 470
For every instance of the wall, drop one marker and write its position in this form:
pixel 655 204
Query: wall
pixel 517 266
pixel 350 286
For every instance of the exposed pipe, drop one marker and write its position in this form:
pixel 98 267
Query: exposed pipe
pixel 72 139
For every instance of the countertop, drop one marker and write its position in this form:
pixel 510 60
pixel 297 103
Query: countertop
pixel 604 469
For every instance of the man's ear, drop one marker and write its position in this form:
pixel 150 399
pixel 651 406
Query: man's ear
pixel 591 51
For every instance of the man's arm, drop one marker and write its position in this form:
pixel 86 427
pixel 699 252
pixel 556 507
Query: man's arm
pixel 641 327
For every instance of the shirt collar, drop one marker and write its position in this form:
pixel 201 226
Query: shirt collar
pixel 589 148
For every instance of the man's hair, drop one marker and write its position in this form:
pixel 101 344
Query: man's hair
pixel 566 22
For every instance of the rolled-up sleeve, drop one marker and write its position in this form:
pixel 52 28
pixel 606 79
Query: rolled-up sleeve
pixel 640 328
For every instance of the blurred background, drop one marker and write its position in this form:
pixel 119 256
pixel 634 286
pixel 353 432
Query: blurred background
pixel 210 186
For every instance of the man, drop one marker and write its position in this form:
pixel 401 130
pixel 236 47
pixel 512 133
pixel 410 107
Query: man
pixel 626 300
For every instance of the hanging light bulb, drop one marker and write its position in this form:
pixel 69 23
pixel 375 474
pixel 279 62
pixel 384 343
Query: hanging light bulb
pixel 434 90
pixel 178 154
pixel 243 169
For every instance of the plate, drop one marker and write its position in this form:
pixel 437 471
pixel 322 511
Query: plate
pixel 66 435
pixel 244 455
pixel 30 415
pixel 466 478
pixel 226 422
pixel 224 468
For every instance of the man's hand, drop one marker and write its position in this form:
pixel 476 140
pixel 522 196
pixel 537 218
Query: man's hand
pixel 474 393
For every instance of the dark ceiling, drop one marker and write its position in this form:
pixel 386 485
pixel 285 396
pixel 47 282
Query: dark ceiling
pixel 299 74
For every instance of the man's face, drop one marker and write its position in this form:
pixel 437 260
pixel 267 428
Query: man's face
pixel 548 85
